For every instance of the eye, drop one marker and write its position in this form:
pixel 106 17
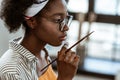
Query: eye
pixel 58 20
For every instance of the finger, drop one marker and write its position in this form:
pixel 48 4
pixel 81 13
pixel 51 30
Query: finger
pixel 69 56
pixel 65 46
pixel 76 60
pixel 63 49
pixel 60 57
pixel 65 56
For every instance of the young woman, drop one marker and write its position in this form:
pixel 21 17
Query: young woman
pixel 44 22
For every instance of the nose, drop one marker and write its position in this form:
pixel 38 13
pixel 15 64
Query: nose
pixel 65 28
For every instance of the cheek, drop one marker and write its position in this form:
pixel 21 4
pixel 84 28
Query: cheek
pixel 47 33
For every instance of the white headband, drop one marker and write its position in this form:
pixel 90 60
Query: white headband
pixel 35 8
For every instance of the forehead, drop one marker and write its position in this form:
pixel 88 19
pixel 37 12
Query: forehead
pixel 55 7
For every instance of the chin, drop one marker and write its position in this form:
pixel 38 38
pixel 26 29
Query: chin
pixel 56 44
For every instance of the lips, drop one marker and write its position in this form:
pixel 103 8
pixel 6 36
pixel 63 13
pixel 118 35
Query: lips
pixel 62 38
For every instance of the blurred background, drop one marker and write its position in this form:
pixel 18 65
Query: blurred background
pixel 100 53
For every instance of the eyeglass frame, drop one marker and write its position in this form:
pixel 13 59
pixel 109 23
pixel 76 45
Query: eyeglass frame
pixel 64 22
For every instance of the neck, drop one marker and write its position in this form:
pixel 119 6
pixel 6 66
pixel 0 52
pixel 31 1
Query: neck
pixel 33 44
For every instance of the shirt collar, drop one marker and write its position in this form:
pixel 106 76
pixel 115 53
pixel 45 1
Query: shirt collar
pixel 22 50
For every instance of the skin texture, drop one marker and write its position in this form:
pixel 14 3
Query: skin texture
pixel 43 29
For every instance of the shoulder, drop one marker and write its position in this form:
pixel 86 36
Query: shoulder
pixel 7 62
pixel 7 67
pixel 10 62
pixel 11 65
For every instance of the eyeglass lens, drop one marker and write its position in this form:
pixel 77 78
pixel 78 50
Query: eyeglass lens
pixel 67 21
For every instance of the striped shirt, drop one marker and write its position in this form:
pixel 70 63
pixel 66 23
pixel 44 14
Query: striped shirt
pixel 18 64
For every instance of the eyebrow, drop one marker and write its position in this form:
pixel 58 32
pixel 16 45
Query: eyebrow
pixel 59 14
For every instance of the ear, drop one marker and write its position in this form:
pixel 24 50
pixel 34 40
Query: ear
pixel 31 22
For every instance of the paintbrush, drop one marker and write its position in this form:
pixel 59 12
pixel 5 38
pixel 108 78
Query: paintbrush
pixel 68 49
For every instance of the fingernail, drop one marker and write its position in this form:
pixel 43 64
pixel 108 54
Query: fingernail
pixel 66 44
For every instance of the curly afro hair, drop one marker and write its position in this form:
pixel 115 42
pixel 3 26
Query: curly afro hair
pixel 12 12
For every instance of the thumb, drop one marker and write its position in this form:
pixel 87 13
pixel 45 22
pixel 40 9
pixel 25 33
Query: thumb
pixel 64 48
pixel 65 45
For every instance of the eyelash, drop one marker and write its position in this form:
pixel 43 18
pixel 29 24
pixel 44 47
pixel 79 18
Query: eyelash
pixel 58 20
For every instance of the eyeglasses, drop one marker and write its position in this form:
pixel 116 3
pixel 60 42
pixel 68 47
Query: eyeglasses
pixel 62 22
pixel 67 21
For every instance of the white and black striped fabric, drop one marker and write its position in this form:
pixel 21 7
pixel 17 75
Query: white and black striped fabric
pixel 18 64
